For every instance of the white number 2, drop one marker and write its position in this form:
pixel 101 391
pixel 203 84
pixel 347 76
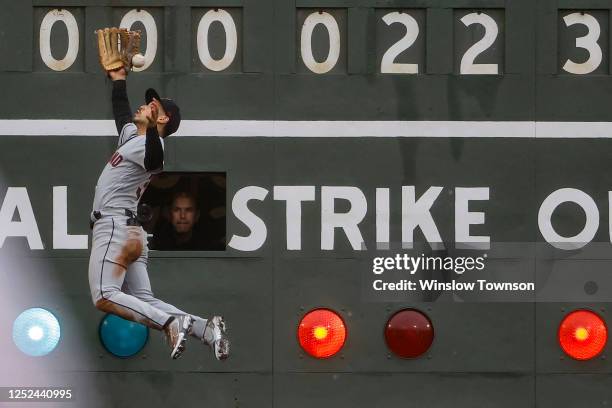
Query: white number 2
pixel 491 31
pixel 387 65
pixel 588 42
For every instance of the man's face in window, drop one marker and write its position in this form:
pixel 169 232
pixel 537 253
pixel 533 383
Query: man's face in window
pixel 184 214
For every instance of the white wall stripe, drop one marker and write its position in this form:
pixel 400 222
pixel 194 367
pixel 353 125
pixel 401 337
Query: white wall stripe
pixel 268 128
pixel 574 129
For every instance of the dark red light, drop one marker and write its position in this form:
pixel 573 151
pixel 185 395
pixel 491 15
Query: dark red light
pixel 409 333
pixel 582 334
pixel 321 333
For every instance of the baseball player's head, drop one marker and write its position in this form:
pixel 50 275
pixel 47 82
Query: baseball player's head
pixel 168 117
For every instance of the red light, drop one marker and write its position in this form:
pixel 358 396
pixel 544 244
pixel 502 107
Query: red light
pixel 582 334
pixel 409 333
pixel 321 333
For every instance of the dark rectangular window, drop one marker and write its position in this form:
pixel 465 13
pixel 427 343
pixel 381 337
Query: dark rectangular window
pixel 185 212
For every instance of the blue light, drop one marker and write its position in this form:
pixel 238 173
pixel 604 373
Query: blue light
pixel 121 337
pixel 36 332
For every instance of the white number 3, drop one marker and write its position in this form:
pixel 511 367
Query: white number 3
pixel 588 42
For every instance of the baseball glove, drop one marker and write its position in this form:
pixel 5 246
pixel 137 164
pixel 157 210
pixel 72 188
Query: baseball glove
pixel 116 47
pixel 130 46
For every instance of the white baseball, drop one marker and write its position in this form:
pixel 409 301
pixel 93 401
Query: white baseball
pixel 138 60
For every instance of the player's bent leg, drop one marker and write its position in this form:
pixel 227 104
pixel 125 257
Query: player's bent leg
pixel 137 284
pixel 212 332
pixel 128 308
pixel 113 246
pixel 109 298
pixel 113 300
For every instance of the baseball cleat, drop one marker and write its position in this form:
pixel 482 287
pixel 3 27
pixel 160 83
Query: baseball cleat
pixel 176 334
pixel 220 343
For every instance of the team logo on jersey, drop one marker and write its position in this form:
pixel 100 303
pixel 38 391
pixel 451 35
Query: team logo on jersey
pixel 115 159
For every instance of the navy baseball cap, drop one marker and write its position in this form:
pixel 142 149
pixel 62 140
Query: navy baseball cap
pixel 172 110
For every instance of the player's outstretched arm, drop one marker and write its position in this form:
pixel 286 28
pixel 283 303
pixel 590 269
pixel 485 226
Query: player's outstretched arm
pixel 154 152
pixel 121 105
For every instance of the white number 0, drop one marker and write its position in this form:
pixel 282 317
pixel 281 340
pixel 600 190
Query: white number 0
pixel 588 42
pixel 231 39
pixel 333 31
pixel 491 31
pixel 47 23
pixel 387 65
pixel 148 21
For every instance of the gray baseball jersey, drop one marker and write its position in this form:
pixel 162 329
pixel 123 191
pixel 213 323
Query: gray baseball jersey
pixel 124 177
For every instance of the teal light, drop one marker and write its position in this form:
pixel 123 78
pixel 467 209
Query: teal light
pixel 122 338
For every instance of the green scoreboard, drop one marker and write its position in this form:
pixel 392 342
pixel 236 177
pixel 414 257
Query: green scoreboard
pixel 430 177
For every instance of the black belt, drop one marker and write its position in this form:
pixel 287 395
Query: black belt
pixel 132 220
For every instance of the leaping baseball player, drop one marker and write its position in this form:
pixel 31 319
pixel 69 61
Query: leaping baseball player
pixel 118 276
